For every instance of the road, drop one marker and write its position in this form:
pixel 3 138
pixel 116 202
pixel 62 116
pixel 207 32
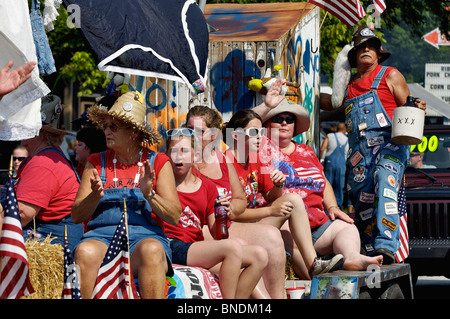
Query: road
pixel 432 288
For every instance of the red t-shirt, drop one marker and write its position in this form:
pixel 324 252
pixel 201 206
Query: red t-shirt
pixel 363 86
pixel 304 176
pixel 223 183
pixel 48 181
pixel 252 180
pixel 126 173
pixel 197 206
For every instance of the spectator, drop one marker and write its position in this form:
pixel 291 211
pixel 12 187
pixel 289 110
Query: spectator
pixel 145 180
pixel 90 140
pixel 334 150
pixel 47 183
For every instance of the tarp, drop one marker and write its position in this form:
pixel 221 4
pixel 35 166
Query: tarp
pixel 155 38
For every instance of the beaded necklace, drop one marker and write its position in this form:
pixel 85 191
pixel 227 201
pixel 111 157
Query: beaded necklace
pixel 138 174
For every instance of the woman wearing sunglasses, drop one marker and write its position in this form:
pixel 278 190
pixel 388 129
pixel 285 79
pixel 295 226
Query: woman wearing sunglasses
pixel 126 171
pixel 239 267
pixel 213 165
pixel 332 230
pixel 244 134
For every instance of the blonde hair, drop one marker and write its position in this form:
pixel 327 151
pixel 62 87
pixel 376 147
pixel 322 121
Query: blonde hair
pixel 212 117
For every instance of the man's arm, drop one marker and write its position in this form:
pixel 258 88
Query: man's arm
pixel 400 90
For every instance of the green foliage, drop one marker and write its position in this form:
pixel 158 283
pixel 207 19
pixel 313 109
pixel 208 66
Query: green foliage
pixel 72 55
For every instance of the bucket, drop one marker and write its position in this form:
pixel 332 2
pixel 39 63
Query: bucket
pixel 295 293
pixel 407 126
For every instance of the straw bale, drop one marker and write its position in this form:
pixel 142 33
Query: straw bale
pixel 46 263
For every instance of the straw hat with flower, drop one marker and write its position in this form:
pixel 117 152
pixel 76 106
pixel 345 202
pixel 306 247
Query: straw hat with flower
pixel 130 109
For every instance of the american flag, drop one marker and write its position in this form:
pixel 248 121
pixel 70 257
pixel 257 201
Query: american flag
pixel 71 289
pixel 348 11
pixel 14 276
pixel 379 5
pixel 403 251
pixel 114 278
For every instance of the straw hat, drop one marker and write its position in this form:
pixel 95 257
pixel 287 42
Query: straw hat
pixel 301 115
pixel 128 108
pixel 361 35
pixel 51 111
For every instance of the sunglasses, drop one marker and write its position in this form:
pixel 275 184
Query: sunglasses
pixel 252 131
pixel 113 127
pixel 280 119
pixel 182 131
pixel 20 159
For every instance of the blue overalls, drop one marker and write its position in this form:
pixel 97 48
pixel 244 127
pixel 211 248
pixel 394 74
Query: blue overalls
pixel 375 169
pixel 108 213
pixel 334 170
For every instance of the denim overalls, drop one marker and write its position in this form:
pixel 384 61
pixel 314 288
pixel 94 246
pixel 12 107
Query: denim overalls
pixel 56 227
pixel 334 170
pixel 108 213
pixel 375 169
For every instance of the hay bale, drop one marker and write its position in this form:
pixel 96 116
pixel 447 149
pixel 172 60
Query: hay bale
pixel 46 264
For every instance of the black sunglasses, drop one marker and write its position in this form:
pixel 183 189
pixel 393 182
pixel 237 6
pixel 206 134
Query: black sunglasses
pixel 20 159
pixel 280 119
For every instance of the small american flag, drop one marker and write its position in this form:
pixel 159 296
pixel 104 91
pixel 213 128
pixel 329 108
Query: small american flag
pixel 14 275
pixel 114 278
pixel 71 289
pixel 348 11
pixel 403 251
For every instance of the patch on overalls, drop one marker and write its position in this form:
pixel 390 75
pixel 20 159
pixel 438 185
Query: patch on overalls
pixel 348 109
pixel 373 141
pixel 392 147
pixel 391 168
pixel 355 158
pixel 389 193
pixel 362 126
pixel 359 174
pixel 390 208
pixel 366 197
pixel 386 222
pixel 381 120
pixel 391 158
pixel 391 180
pixel 366 214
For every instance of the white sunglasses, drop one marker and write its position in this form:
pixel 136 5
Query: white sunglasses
pixel 252 131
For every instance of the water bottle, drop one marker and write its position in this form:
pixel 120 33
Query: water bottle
pixel 221 221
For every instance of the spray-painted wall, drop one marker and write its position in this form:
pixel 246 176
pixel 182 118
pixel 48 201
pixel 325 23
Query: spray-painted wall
pixel 248 40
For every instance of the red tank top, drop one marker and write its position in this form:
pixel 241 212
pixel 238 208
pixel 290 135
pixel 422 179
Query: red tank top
pixel 363 86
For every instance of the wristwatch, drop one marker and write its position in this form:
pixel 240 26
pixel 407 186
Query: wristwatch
pixel 151 195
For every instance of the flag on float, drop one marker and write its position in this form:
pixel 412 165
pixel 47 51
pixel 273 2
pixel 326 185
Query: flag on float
pixel 379 5
pixel 403 250
pixel 14 273
pixel 114 278
pixel 348 11
pixel 71 288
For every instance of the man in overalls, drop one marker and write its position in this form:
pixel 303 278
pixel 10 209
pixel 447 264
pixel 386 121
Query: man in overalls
pixel 375 164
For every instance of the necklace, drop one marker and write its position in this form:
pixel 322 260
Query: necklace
pixel 138 174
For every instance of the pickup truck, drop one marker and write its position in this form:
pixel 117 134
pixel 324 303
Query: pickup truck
pixel 427 184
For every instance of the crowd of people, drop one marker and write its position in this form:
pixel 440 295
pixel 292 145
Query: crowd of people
pixel 276 194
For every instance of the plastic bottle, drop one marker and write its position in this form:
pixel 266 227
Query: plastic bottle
pixel 221 221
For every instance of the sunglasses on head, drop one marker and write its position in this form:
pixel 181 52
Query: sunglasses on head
pixel 252 131
pixel 182 131
pixel 280 119
pixel 20 159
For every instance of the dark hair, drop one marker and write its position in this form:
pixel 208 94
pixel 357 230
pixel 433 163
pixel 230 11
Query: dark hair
pixel 94 138
pixel 240 119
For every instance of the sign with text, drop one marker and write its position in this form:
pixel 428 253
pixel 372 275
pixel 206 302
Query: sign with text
pixel 437 80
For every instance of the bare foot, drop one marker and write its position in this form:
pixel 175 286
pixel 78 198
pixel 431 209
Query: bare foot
pixel 361 262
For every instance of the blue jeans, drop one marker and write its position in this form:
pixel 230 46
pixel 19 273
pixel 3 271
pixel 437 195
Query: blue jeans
pixel 108 213
pixel 375 170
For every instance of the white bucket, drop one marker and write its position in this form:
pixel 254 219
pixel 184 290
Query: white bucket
pixel 407 126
